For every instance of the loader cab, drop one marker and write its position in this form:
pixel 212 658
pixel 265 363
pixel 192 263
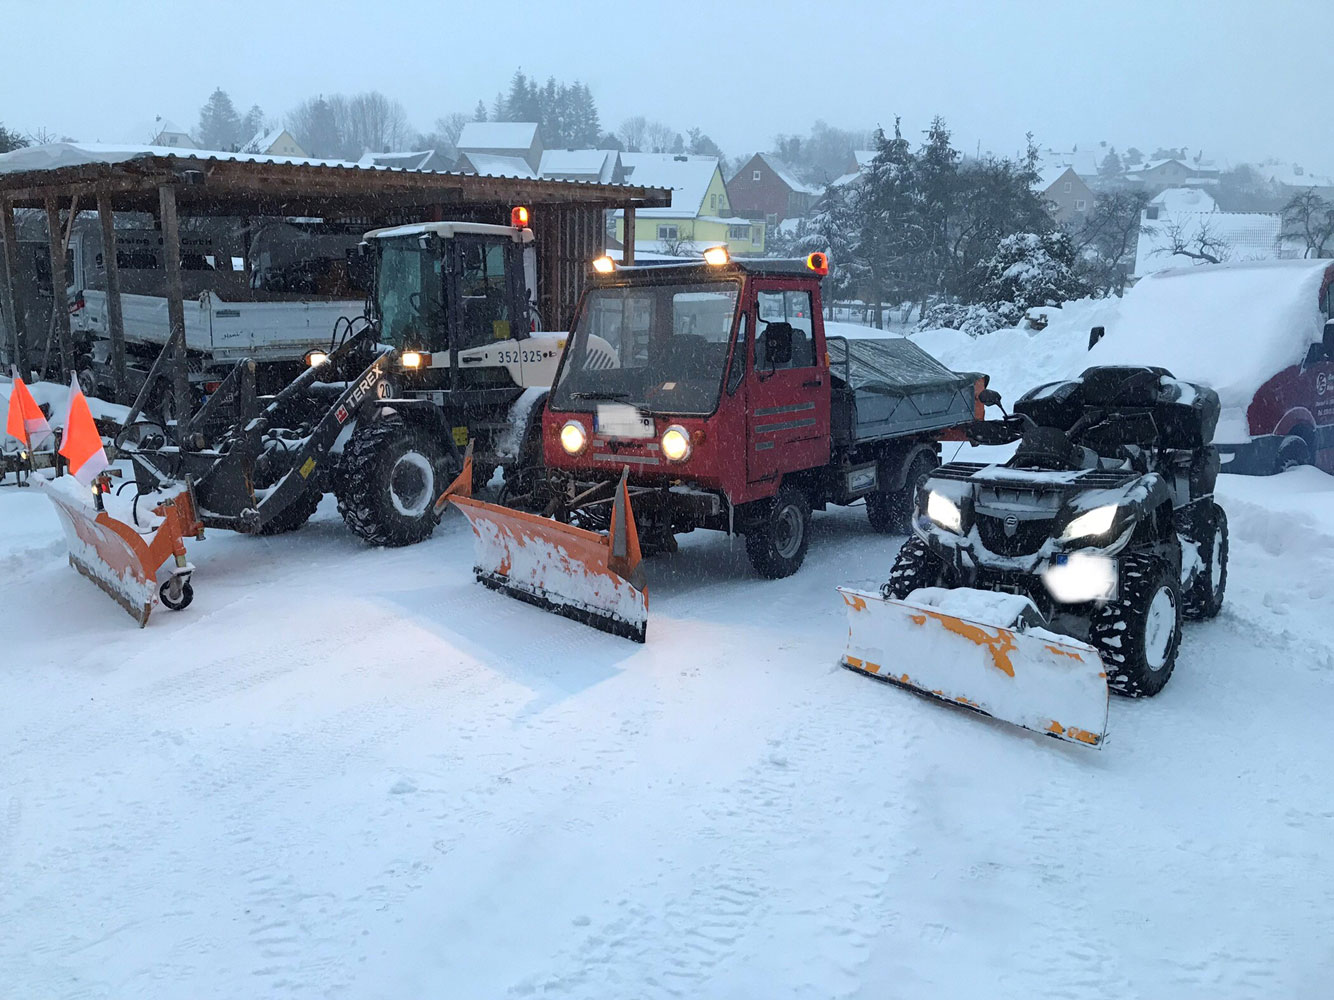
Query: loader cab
pixel 444 288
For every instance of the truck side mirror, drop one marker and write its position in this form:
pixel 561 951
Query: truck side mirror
pixel 989 397
pixel 1095 335
pixel 777 344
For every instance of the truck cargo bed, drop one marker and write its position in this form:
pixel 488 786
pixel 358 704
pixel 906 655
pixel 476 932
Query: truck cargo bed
pixel 888 387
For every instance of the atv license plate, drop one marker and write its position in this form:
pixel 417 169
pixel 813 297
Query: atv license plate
pixel 621 420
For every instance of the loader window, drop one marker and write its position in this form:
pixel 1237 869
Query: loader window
pixel 662 348
pixel 407 295
pixel 483 294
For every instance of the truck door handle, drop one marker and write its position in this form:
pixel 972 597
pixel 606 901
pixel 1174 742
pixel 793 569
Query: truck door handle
pixel 814 383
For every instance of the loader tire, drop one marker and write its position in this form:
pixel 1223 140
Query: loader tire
pixel 1138 635
pixel 916 566
pixel 1203 598
pixel 294 515
pixel 890 511
pixel 390 476
pixel 777 542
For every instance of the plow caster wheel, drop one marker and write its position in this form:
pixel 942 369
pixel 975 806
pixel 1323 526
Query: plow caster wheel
pixel 776 543
pixel 180 599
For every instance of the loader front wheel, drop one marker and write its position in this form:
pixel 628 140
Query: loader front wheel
pixel 776 543
pixel 1138 634
pixel 916 566
pixel 391 474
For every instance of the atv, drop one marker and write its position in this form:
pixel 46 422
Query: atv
pixel 1104 519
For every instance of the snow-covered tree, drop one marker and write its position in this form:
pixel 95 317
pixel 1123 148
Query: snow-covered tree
pixel 253 123
pixel 1033 269
pixel 479 112
pixel 1110 165
pixel 219 124
pixel 313 124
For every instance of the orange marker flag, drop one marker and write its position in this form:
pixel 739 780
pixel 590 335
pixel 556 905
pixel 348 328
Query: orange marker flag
pixel 80 443
pixel 25 416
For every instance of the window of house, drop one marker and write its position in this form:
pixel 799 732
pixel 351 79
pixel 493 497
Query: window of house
pixel 738 232
pixel 1080 204
pixel 754 175
pixel 771 219
pixel 713 202
pixel 756 235
pixel 1066 187
pixel 666 232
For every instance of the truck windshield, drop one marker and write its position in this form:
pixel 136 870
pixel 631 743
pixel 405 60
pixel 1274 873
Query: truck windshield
pixel 408 295
pixel 662 348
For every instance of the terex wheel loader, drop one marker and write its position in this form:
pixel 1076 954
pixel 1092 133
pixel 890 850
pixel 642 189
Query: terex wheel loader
pixel 446 354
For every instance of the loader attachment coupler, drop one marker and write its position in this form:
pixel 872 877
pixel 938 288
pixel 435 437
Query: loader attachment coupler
pixel 582 575
pixel 935 642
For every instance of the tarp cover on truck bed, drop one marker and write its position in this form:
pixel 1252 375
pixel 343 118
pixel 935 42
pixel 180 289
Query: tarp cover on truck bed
pixel 893 365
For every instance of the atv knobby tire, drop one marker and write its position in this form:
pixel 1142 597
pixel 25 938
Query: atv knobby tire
pixel 776 543
pixel 391 473
pixel 890 511
pixel 1203 597
pixel 916 566
pixel 1138 634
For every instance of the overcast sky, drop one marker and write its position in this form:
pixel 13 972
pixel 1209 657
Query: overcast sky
pixel 1238 79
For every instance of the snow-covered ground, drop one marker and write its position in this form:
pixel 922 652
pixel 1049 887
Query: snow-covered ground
pixel 349 772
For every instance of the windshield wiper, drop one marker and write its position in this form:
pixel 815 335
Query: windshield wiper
pixel 600 394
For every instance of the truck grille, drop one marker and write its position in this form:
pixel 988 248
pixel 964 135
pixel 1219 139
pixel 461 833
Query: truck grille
pixel 1027 537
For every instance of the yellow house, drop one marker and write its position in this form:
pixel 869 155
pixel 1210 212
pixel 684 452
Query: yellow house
pixel 700 214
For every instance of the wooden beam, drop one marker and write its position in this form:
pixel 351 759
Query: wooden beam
pixel 59 282
pixel 9 263
pixel 171 262
pixel 115 318
pixel 628 236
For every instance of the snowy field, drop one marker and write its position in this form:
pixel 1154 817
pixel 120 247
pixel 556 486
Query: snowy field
pixel 348 772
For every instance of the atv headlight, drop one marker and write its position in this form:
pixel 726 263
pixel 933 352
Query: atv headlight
pixel 676 443
pixel 1097 521
pixel 573 437
pixel 944 512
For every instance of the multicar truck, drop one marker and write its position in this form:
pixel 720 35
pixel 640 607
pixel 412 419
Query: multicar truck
pixel 707 395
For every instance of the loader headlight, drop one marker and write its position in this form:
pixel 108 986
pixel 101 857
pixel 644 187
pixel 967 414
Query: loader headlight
pixel 676 443
pixel 944 512
pixel 573 437
pixel 411 359
pixel 1097 521
pixel 1080 577
pixel 316 358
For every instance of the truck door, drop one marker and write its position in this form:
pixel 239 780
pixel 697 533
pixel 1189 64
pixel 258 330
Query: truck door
pixel 787 426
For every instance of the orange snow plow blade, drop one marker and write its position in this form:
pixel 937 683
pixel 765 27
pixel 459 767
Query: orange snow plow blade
pixel 120 560
pixel 589 577
pixel 935 643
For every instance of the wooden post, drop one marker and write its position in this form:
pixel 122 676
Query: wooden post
pixel 9 258
pixel 628 236
pixel 171 262
pixel 115 319
pixel 59 281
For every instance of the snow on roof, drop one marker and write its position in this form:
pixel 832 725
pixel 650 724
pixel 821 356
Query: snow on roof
pixel 263 141
pixel 1294 175
pixel 1184 199
pixel 497 135
pixel 1047 176
pixel 863 157
pixel 1247 236
pixel 845 179
pixel 55 155
pixel 491 165
pixel 414 160
pixel 787 175
pixel 598 164
pixel 1085 161
pixel 687 176
pixel 450 229
pixel 1229 326
pixel 167 125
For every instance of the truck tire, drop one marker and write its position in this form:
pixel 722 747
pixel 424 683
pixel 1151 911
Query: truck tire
pixel 890 511
pixel 777 542
pixel 295 514
pixel 1138 634
pixel 390 476
pixel 915 566
pixel 1294 451
pixel 1203 598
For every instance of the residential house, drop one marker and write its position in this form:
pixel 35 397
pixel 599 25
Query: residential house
pixel 506 140
pixel 601 166
pixel 424 159
pixel 171 134
pixel 275 142
pixel 1174 201
pixel 767 188
pixel 1158 175
pixel 1071 197
pixel 700 215
pixel 493 165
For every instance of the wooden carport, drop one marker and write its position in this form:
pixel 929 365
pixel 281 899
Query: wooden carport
pixel 567 218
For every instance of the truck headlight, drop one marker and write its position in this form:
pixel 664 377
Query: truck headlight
pixel 1081 577
pixel 1097 521
pixel 944 512
pixel 573 437
pixel 676 443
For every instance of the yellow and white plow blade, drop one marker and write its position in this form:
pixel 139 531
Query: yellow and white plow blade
pixel 1033 678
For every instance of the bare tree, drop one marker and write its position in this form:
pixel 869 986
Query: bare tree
pixel 1309 219
pixel 633 132
pixel 660 138
pixel 1203 244
pixel 450 127
pixel 370 121
pixel 680 245
pixel 1108 237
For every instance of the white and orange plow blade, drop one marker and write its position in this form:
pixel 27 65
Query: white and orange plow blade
pixel 117 558
pixel 1027 676
pixel 582 575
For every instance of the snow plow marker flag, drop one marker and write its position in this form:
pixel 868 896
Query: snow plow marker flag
pixel 24 421
pixel 1029 677
pixel 121 561
pixel 80 442
pixel 588 577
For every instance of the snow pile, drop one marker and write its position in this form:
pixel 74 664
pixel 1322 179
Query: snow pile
pixel 56 397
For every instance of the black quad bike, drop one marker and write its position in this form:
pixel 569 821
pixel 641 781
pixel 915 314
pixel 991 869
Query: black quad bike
pixel 1104 517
